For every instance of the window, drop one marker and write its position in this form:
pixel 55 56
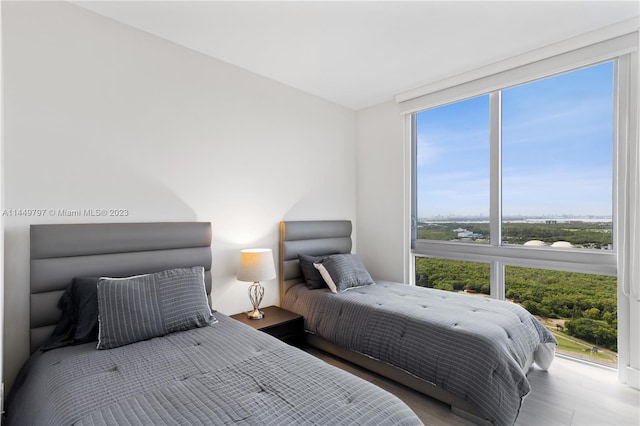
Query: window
pixel 581 310
pixel 556 148
pixel 557 160
pixel 453 170
pixel 514 196
pixel 453 275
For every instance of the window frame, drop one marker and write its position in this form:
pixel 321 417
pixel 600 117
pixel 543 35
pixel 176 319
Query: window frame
pixel 571 260
pixel 619 42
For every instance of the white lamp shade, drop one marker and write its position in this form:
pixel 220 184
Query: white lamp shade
pixel 256 265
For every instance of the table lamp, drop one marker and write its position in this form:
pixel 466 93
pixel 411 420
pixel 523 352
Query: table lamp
pixel 256 265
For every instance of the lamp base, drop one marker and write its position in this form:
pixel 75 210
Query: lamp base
pixel 255 314
pixel 256 291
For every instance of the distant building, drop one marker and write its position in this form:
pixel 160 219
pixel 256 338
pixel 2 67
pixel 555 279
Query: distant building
pixel 465 234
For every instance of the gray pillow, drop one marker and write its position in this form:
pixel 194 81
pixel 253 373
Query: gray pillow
pixel 343 271
pixel 145 306
pixel 311 275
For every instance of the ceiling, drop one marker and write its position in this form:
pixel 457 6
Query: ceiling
pixel 361 53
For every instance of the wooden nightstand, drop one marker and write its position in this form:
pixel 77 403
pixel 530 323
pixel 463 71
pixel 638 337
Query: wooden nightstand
pixel 286 326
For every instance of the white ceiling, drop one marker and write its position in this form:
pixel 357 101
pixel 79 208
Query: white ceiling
pixel 359 54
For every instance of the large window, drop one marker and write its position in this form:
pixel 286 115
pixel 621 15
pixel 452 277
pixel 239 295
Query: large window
pixel 513 196
pixel 556 168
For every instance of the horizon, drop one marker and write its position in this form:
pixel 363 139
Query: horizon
pixel 454 218
pixel 462 219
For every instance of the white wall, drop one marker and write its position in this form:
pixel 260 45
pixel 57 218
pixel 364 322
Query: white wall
pixel 381 215
pixel 100 115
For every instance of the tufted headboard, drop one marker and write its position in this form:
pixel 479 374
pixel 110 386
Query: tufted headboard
pixel 61 252
pixel 313 237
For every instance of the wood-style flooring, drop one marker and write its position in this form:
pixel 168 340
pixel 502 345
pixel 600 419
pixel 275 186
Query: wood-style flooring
pixel 571 393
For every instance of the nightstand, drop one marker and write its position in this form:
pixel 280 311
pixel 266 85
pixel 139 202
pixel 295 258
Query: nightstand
pixel 278 322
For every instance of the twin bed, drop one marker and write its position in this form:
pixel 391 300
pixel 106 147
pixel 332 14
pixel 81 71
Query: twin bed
pixel 468 351
pixel 195 366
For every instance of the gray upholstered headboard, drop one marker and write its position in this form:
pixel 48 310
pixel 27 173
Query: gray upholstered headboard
pixel 64 251
pixel 313 237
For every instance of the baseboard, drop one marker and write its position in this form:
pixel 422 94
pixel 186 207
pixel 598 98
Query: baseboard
pixel 633 377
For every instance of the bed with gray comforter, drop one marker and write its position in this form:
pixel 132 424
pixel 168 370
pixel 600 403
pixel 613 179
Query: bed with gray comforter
pixel 474 347
pixel 470 352
pixel 223 374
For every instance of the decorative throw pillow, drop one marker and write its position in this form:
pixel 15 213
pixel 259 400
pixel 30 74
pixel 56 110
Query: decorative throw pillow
pixel 85 299
pixel 311 274
pixel 78 323
pixel 152 305
pixel 343 271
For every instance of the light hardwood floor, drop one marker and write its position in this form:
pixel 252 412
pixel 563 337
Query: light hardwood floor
pixel 570 393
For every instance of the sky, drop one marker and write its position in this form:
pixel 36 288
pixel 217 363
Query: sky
pixel 557 150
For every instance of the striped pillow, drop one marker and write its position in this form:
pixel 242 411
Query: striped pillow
pixel 145 306
pixel 343 271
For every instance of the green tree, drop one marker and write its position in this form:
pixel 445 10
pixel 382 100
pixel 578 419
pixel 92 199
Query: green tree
pixel 592 313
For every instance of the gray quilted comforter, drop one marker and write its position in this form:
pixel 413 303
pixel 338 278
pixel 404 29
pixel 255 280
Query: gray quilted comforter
pixel 473 347
pixel 224 374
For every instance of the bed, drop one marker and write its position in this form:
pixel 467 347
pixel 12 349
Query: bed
pixel 471 352
pixel 219 371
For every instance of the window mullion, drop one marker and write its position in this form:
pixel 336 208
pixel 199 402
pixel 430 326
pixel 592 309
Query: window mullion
pixel 495 167
pixel 414 178
pixel 497 280
pixel 495 191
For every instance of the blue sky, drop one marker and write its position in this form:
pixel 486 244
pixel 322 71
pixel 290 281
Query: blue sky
pixel 557 150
